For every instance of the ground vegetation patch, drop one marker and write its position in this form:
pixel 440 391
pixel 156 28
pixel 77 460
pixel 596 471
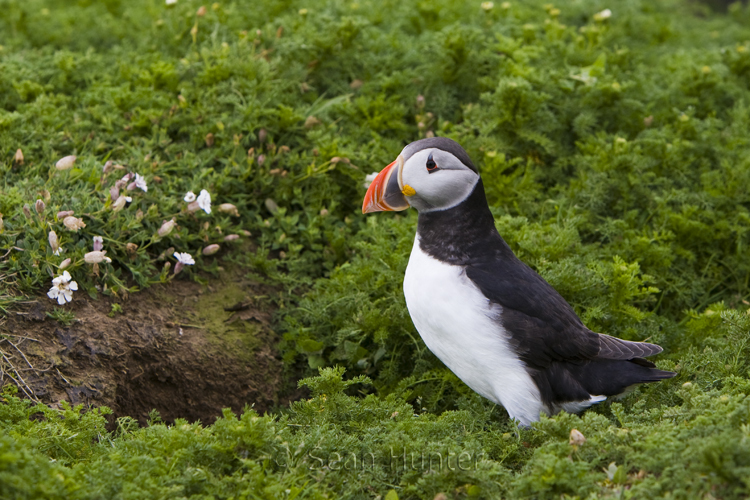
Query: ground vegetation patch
pixel 178 165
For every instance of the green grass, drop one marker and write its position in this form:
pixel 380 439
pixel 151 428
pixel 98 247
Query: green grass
pixel 616 159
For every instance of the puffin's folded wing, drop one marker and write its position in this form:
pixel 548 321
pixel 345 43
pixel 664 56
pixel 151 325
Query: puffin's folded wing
pixel 614 348
pixel 543 327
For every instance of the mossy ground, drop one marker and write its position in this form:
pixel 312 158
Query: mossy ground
pixel 614 149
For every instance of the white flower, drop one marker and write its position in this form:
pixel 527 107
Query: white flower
pixel 140 182
pixel 369 178
pixel 184 258
pixel 62 289
pixel 189 197
pixel 487 6
pixel 98 243
pixel 170 2
pixel 601 16
pixel 204 201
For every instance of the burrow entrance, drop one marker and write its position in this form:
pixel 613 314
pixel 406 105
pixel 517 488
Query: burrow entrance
pixel 184 349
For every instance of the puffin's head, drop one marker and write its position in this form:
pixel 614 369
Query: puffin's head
pixel 429 174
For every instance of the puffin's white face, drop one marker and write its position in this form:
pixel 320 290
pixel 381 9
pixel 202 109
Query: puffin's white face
pixel 426 176
pixel 433 179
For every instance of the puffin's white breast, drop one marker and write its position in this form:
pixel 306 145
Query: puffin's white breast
pixel 461 327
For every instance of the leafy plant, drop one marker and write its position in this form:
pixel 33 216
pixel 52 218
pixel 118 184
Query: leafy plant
pixel 62 316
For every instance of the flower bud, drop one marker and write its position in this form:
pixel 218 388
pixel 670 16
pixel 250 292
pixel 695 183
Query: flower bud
pixel 229 208
pixel 201 11
pixel 19 157
pixel 45 194
pixel 211 249
pixel 193 206
pixel 64 264
pixel 261 160
pixel 231 237
pixel 73 223
pixel 53 242
pixel 96 257
pixel 39 206
pixel 65 163
pixel 576 437
pixel 166 228
pixel 271 205
pixel 26 210
pixel 98 243
pixel 603 15
pixel 61 215
pixel 262 134
pixel 131 248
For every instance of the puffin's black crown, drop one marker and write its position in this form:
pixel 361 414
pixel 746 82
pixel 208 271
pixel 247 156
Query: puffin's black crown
pixel 443 143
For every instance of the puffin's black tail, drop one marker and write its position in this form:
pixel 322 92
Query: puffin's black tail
pixel 609 377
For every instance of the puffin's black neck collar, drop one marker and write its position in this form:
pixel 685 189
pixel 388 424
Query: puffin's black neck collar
pixel 463 234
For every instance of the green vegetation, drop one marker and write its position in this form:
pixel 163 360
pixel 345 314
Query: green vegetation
pixel 616 157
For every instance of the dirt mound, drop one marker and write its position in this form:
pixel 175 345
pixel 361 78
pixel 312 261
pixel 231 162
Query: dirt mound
pixel 184 349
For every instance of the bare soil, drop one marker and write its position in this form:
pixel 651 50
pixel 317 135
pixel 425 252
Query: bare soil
pixel 174 348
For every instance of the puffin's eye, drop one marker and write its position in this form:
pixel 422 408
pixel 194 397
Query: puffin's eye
pixel 431 165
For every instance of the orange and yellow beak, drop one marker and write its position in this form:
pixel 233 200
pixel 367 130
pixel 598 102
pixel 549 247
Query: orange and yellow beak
pixel 385 194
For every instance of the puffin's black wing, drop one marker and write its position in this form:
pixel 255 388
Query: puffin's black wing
pixel 543 327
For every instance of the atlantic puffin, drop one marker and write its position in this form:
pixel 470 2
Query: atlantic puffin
pixel 490 318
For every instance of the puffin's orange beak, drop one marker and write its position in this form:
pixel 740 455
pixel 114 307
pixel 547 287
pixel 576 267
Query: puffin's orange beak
pixel 384 194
